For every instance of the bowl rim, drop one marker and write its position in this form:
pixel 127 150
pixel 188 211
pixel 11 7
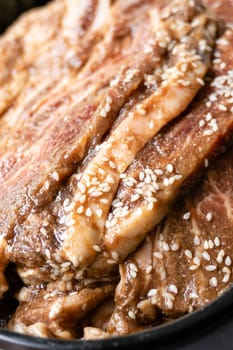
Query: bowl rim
pixel 160 334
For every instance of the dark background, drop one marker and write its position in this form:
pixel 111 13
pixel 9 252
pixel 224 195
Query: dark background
pixel 11 9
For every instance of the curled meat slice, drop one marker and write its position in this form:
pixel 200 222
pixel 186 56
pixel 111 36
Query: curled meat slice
pixel 188 64
pixel 50 129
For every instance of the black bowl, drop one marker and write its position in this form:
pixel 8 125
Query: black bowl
pixel 211 326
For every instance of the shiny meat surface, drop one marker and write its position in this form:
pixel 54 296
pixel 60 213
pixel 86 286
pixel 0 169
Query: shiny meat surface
pixel 185 262
pixel 102 126
pixel 56 309
pixel 169 161
pixel 73 226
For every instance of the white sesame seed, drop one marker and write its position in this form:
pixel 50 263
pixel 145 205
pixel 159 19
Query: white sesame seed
pixel 47 184
pixel 101 171
pixel 148 269
pixel 103 113
pixel 88 212
pixel 99 212
pixel 200 81
pixel 81 187
pixel 201 123
pixel 187 215
pixel 43 230
pixel 139 211
pixel 141 110
pixel 169 168
pixel 83 199
pixel 158 255
pixel 211 244
pixel 210 268
pixel 133 274
pixel 158 171
pixel 110 179
pixel 150 206
pixel 80 209
pixel 152 292
pixel 222 107
pixel 173 288
pixel 188 253
pixel 193 295
pixel 97 194
pixel 206 163
pixel 228 261
pixel 175 247
pixel 106 189
pixel 196 240
pixel 104 200
pixel 133 267
pixel 111 262
pixel 226 269
pixel 208 117
pixel 151 124
pixel 96 248
pixel 213 282
pixel 206 256
pixel 193 267
pixel 66 202
pixel 209 216
pixel 55 176
pixel 217 242
pixel 115 255
pixel 134 197
pixel 112 164
pixel 226 278
pixel 166 247
pixel 169 300
pixel 131 315
pixel 220 256
pixel 196 261
pixel 222 65
pixel 206 244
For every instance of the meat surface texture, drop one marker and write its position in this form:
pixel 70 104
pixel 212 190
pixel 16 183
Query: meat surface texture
pixel 111 111
pixel 70 227
pixel 185 262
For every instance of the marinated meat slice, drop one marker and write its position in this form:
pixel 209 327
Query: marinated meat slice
pixel 169 160
pixel 42 232
pixel 56 132
pixel 186 262
pixel 111 45
pixel 57 309
pixel 187 66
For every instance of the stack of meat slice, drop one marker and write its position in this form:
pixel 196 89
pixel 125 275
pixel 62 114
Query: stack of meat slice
pixel 102 127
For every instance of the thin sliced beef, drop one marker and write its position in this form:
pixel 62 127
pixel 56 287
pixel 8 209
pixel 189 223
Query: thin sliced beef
pixel 81 219
pixel 57 309
pixel 186 262
pixel 50 135
pixel 168 161
pixel 100 179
